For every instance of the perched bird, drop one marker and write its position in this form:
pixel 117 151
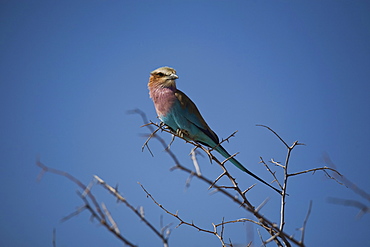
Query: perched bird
pixel 180 114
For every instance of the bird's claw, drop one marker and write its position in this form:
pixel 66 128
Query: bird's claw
pixel 182 133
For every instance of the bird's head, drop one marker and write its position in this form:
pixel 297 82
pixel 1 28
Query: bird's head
pixel 163 77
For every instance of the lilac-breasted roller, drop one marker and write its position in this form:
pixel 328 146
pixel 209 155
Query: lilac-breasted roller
pixel 178 112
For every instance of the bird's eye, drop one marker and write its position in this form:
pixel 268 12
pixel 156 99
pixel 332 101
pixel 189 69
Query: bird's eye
pixel 160 74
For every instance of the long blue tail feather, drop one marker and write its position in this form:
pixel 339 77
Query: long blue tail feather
pixel 226 155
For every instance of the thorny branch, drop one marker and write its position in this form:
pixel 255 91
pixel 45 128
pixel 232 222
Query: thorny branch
pixel 183 222
pixel 271 227
pixel 277 233
pixel 348 183
pixel 305 222
pixel 351 203
pixel 285 183
pixel 287 175
pixel 274 230
pixel 272 173
pixel 102 214
pixel 120 198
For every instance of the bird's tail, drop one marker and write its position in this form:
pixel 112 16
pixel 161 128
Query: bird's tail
pixel 225 154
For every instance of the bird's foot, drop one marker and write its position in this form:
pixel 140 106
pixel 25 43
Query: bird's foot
pixel 182 133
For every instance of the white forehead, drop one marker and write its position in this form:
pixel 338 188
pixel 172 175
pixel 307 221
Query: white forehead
pixel 164 70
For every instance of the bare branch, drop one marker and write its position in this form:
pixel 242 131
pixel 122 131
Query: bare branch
pixel 242 221
pixel 224 140
pixel 262 241
pixel 352 203
pixel 305 222
pixel 147 140
pixel 96 212
pixel 78 211
pixel 74 180
pixel 271 172
pixel 285 183
pixel 231 190
pixel 316 169
pixel 182 222
pixel 346 181
pixel 277 163
pixel 111 220
pixel 273 228
pixel 281 139
pixel 262 204
pixel 139 212
pixel 193 155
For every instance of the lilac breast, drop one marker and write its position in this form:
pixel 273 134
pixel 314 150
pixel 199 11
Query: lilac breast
pixel 164 99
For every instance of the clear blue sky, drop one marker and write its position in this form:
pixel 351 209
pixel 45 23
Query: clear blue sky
pixel 69 71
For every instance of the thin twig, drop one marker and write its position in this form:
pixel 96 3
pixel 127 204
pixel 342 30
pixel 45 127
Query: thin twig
pixel 242 221
pixel 147 141
pixel 262 204
pixel 96 212
pixel 193 156
pixel 346 181
pixel 314 170
pixel 271 172
pixel 262 241
pixel 174 214
pixel 110 218
pixel 74 180
pixel 273 229
pixel 281 139
pixel 277 163
pixel 285 184
pixel 77 212
pixel 305 222
pixel 139 213
pixel 224 140
pixel 352 203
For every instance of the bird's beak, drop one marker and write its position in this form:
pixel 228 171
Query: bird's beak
pixel 173 77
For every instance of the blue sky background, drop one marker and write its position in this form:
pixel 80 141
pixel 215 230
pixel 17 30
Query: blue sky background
pixel 70 70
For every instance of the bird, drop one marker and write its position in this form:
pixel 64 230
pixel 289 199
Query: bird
pixel 178 112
